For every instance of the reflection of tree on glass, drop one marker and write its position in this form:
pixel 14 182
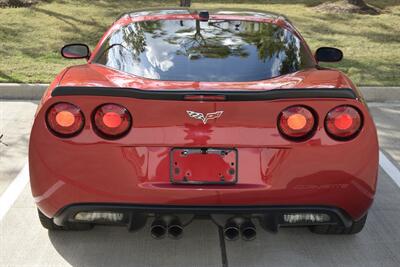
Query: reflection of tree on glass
pixel 206 40
pixel 267 38
pixel 292 60
pixel 134 39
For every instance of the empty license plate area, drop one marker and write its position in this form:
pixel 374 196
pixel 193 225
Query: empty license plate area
pixel 203 166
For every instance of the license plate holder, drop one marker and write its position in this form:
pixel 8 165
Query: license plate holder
pixel 204 166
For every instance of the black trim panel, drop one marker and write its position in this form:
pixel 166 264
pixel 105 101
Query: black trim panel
pixel 67 213
pixel 180 95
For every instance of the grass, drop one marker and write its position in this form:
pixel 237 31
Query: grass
pixel 30 38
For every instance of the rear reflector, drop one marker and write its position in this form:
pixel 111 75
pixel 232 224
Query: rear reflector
pixel 65 119
pixel 343 122
pixel 306 218
pixel 99 216
pixel 296 123
pixel 112 121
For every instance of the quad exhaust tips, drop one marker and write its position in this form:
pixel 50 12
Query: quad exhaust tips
pixel 236 227
pixel 171 226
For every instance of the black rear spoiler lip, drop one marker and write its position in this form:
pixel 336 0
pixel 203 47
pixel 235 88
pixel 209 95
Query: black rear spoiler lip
pixel 182 95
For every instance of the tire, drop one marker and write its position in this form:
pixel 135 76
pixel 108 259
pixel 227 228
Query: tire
pixel 49 224
pixel 355 228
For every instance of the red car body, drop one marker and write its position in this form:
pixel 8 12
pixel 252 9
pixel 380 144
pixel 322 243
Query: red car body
pixel 133 172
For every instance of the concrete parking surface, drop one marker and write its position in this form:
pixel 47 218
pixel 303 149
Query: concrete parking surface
pixel 15 126
pixel 387 120
pixel 23 242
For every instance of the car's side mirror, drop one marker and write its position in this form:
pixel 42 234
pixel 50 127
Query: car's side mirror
pixel 328 54
pixel 75 51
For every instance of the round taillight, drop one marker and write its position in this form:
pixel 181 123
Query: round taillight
pixel 343 122
pixel 65 119
pixel 112 121
pixel 296 123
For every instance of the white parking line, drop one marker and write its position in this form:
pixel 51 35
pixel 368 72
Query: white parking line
pixel 389 168
pixel 16 187
pixel 13 191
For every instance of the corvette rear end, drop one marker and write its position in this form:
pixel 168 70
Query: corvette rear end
pixel 182 115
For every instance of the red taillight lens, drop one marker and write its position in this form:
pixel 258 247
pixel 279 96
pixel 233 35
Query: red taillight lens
pixel 112 121
pixel 343 122
pixel 65 119
pixel 296 122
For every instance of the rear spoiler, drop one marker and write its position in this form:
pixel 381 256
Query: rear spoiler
pixel 196 95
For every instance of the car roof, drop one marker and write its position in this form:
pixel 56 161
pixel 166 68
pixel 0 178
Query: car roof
pixel 257 14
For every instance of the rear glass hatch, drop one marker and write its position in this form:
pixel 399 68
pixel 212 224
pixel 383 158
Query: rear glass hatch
pixel 208 51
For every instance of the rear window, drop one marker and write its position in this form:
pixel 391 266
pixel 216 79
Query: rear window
pixel 214 51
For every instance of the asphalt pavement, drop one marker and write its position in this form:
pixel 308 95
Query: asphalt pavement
pixel 23 242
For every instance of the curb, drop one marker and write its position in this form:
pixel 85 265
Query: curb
pixel 15 91
pixel 22 91
pixel 380 94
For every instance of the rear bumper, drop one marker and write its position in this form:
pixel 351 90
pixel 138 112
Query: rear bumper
pixel 266 177
pixel 270 217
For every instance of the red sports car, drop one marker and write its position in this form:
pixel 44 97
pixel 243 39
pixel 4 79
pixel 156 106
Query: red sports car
pixel 183 114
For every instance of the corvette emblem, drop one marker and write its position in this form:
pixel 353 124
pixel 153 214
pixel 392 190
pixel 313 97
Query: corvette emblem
pixel 202 117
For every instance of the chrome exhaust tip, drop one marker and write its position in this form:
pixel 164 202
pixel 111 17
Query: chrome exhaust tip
pixel 158 229
pixel 231 231
pixel 175 230
pixel 248 231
